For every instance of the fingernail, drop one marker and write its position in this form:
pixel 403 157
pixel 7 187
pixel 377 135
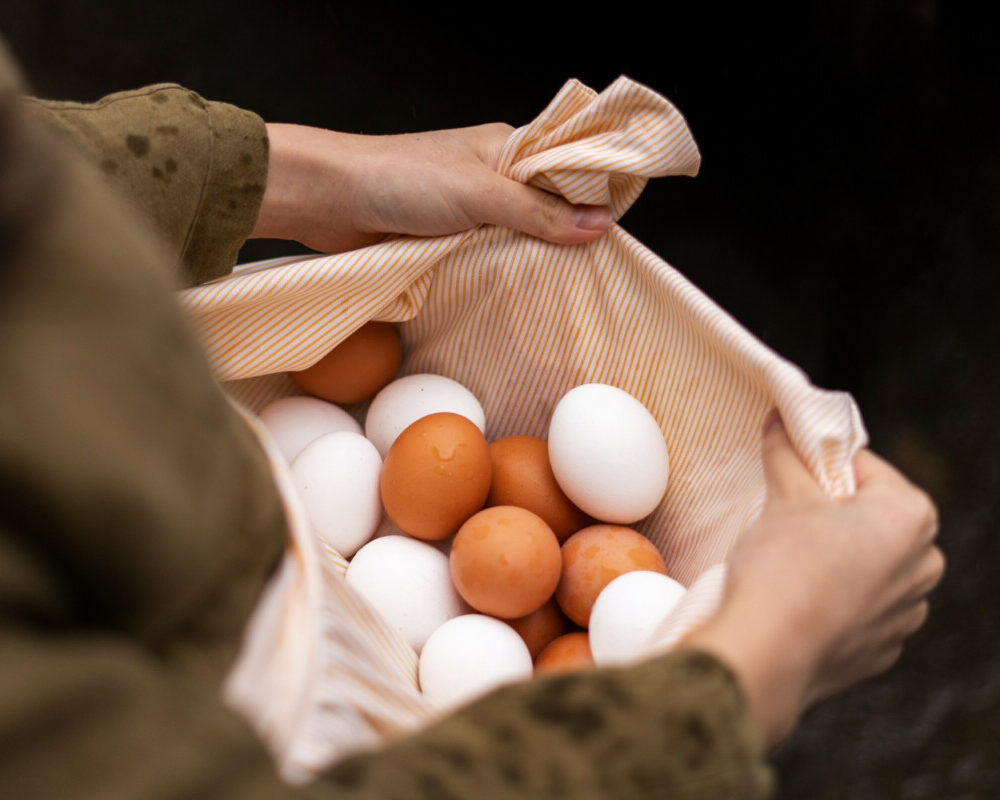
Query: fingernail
pixel 594 218
pixel 771 421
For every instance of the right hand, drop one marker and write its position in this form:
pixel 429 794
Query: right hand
pixel 822 593
pixel 338 191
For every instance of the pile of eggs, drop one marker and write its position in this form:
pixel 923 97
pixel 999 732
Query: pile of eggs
pixel 493 560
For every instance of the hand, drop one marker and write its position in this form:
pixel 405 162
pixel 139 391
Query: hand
pixel 822 593
pixel 337 191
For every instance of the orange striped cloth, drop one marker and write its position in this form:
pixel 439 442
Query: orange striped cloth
pixel 519 322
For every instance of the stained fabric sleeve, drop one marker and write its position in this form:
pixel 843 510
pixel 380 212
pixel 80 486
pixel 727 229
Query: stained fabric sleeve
pixel 195 169
pixel 672 727
pixel 99 717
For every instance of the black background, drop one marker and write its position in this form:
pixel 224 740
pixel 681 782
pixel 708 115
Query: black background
pixel 847 212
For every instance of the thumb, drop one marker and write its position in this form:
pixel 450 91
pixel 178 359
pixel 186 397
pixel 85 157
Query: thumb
pixel 784 472
pixel 542 214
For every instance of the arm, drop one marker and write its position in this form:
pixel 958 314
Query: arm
pixel 210 175
pixel 822 593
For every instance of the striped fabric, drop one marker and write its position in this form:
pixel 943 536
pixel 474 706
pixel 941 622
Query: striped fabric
pixel 519 322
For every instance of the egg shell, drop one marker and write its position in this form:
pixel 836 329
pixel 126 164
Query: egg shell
pixel 608 453
pixel 337 478
pixel 407 399
pixel 627 612
pixel 357 368
pixel 294 422
pixel 505 561
pixel 408 582
pixel 389 528
pixel 541 626
pixel 469 656
pixel 594 557
pixel 567 653
pixel 436 475
pixel 522 476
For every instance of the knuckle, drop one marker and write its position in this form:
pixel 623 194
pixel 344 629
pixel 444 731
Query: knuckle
pixel 937 568
pixel 916 618
pixel 498 128
pixel 887 658
pixel 551 209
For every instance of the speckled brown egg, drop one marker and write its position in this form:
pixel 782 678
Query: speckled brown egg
pixel 505 561
pixel 523 477
pixel 567 653
pixel 357 368
pixel 594 557
pixel 541 626
pixel 436 475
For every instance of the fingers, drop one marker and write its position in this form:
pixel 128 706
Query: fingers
pixel 542 214
pixel 784 471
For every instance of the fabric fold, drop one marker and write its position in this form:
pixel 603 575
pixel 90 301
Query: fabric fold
pixel 520 321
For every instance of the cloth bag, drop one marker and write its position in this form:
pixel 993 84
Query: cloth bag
pixel 518 321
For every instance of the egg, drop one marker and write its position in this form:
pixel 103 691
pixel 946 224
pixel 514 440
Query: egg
pixel 294 422
pixel 608 453
pixel 337 479
pixel 541 626
pixel 436 475
pixel 595 556
pixel 505 561
pixel 469 656
pixel 567 653
pixel 357 368
pixel 627 612
pixel 408 582
pixel 407 399
pixel 522 476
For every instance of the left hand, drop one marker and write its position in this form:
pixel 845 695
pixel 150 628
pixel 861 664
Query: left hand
pixel 337 191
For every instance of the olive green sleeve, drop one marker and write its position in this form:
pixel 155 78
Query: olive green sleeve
pixel 195 169
pixel 674 727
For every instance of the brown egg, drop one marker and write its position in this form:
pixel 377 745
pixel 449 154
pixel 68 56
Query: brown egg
pixel 523 477
pixel 436 475
pixel 505 561
pixel 541 626
pixel 594 557
pixel 357 368
pixel 568 653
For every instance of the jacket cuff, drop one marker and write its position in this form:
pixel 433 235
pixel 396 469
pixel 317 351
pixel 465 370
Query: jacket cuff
pixel 195 169
pixel 675 726
pixel 233 190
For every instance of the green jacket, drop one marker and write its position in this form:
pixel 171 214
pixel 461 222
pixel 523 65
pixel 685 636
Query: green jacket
pixel 139 525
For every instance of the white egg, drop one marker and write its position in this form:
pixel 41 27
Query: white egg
pixel 337 478
pixel 626 614
pixel 608 453
pixel 406 400
pixel 468 656
pixel 294 422
pixel 409 584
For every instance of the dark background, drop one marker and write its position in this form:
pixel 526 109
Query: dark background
pixel 847 212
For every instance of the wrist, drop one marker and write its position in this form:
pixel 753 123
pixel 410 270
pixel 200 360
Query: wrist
pixel 772 663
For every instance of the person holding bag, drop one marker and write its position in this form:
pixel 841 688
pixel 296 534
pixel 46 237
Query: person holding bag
pixel 140 524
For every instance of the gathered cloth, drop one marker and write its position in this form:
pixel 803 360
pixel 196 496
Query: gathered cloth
pixel 520 321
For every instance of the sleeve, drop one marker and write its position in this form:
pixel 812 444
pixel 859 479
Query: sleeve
pixel 95 716
pixel 195 169
pixel 672 727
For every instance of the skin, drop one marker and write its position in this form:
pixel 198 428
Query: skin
pixel 821 593
pixel 338 191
